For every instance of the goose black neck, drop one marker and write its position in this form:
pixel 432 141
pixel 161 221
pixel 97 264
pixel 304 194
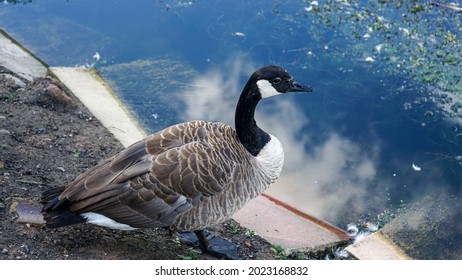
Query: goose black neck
pixel 251 136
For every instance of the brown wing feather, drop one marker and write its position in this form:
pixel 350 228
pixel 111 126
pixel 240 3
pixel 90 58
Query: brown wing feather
pixel 153 181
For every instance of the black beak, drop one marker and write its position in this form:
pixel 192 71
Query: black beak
pixel 297 87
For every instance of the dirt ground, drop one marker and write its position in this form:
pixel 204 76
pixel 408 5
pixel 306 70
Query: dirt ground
pixel 47 138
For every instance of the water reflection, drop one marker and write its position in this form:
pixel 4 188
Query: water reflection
pixel 329 183
pixel 329 171
pixel 213 95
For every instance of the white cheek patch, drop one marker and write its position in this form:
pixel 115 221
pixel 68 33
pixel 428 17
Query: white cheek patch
pixel 266 89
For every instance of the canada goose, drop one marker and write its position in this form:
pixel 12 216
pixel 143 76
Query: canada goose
pixel 186 177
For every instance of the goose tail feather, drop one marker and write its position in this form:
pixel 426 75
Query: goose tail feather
pixel 54 215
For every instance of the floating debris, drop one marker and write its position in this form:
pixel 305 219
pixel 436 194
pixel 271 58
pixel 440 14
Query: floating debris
pixel 368 33
pixel 239 34
pixel 451 6
pixel 429 114
pixel 371 227
pixel 416 168
pixel 369 59
pixel 407 106
pixel 352 230
pixel 404 30
pixel 341 253
pixel 361 235
pixel 378 48
pixel 96 56
pixel 313 4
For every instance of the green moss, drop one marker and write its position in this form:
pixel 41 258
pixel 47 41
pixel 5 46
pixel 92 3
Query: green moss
pixel 280 252
pixel 190 255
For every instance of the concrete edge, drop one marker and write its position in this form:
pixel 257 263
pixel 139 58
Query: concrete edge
pixel 376 247
pixel 324 224
pixel 90 88
pixel 6 35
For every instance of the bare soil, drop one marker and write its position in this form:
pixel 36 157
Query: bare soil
pixel 47 138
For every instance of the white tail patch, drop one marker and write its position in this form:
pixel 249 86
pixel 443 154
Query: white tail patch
pixel 101 220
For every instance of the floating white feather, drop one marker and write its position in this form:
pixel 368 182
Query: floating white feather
pixel 96 56
pixel 369 59
pixel 416 168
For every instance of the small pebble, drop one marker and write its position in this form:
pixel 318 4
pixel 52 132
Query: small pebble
pixel 4 131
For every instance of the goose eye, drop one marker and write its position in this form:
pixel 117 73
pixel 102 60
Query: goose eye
pixel 277 80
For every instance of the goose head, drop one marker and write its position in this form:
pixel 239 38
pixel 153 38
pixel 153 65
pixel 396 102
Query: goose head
pixel 265 82
pixel 273 80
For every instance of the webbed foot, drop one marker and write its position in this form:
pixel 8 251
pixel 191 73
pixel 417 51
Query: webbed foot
pixel 211 244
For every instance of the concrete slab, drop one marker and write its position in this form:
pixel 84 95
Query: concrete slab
pixel 19 60
pixel 426 229
pixel 376 247
pixel 429 229
pixel 281 226
pixel 91 89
